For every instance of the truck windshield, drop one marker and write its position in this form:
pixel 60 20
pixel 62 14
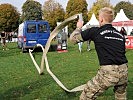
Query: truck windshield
pixel 31 28
pixel 42 28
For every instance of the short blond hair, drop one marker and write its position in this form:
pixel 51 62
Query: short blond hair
pixel 107 13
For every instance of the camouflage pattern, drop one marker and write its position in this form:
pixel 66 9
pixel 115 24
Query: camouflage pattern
pixel 107 76
pixel 76 37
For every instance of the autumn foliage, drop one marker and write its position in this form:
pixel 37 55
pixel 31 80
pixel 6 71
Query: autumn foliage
pixel 9 17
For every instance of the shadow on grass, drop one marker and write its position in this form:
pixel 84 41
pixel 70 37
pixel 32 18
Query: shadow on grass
pixel 16 51
pixel 17 92
pixel 106 95
pixel 65 96
pixel 90 51
pixel 29 89
pixel 23 90
pixel 52 48
pixel 10 52
pixel 130 90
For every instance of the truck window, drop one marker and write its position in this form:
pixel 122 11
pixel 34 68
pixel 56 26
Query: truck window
pixel 31 28
pixel 42 28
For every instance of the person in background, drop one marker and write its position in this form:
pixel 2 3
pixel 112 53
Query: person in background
pixel 3 40
pixel 10 35
pixel 123 31
pixel 64 36
pixel 64 39
pixel 88 45
pixel 80 46
pixel 131 33
pixel 110 48
pixel 89 41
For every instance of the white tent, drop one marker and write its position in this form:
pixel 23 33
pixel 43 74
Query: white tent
pixel 93 22
pixel 121 20
pixel 117 18
pixel 121 16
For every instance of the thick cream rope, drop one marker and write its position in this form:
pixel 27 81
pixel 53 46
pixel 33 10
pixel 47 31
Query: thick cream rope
pixel 44 57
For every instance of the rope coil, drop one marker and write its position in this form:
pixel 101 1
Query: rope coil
pixel 44 56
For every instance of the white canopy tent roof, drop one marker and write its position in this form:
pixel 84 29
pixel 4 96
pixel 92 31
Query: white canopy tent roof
pixel 121 16
pixel 93 22
pixel 121 20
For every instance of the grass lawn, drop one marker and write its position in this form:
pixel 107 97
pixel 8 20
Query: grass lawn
pixel 19 79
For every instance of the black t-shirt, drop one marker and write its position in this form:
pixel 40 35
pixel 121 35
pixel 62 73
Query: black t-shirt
pixel 109 44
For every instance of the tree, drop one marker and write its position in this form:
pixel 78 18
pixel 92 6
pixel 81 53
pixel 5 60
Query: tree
pixel 9 17
pixel 126 6
pixel 31 10
pixel 97 6
pixel 75 7
pixel 53 12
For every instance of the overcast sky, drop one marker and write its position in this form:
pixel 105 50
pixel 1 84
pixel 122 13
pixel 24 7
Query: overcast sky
pixel 18 3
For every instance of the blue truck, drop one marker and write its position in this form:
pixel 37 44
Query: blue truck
pixel 33 32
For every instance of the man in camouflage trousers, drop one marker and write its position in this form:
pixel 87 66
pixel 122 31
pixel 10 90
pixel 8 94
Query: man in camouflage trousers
pixel 110 48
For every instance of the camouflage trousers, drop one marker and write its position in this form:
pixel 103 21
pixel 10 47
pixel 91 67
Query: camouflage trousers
pixel 107 76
